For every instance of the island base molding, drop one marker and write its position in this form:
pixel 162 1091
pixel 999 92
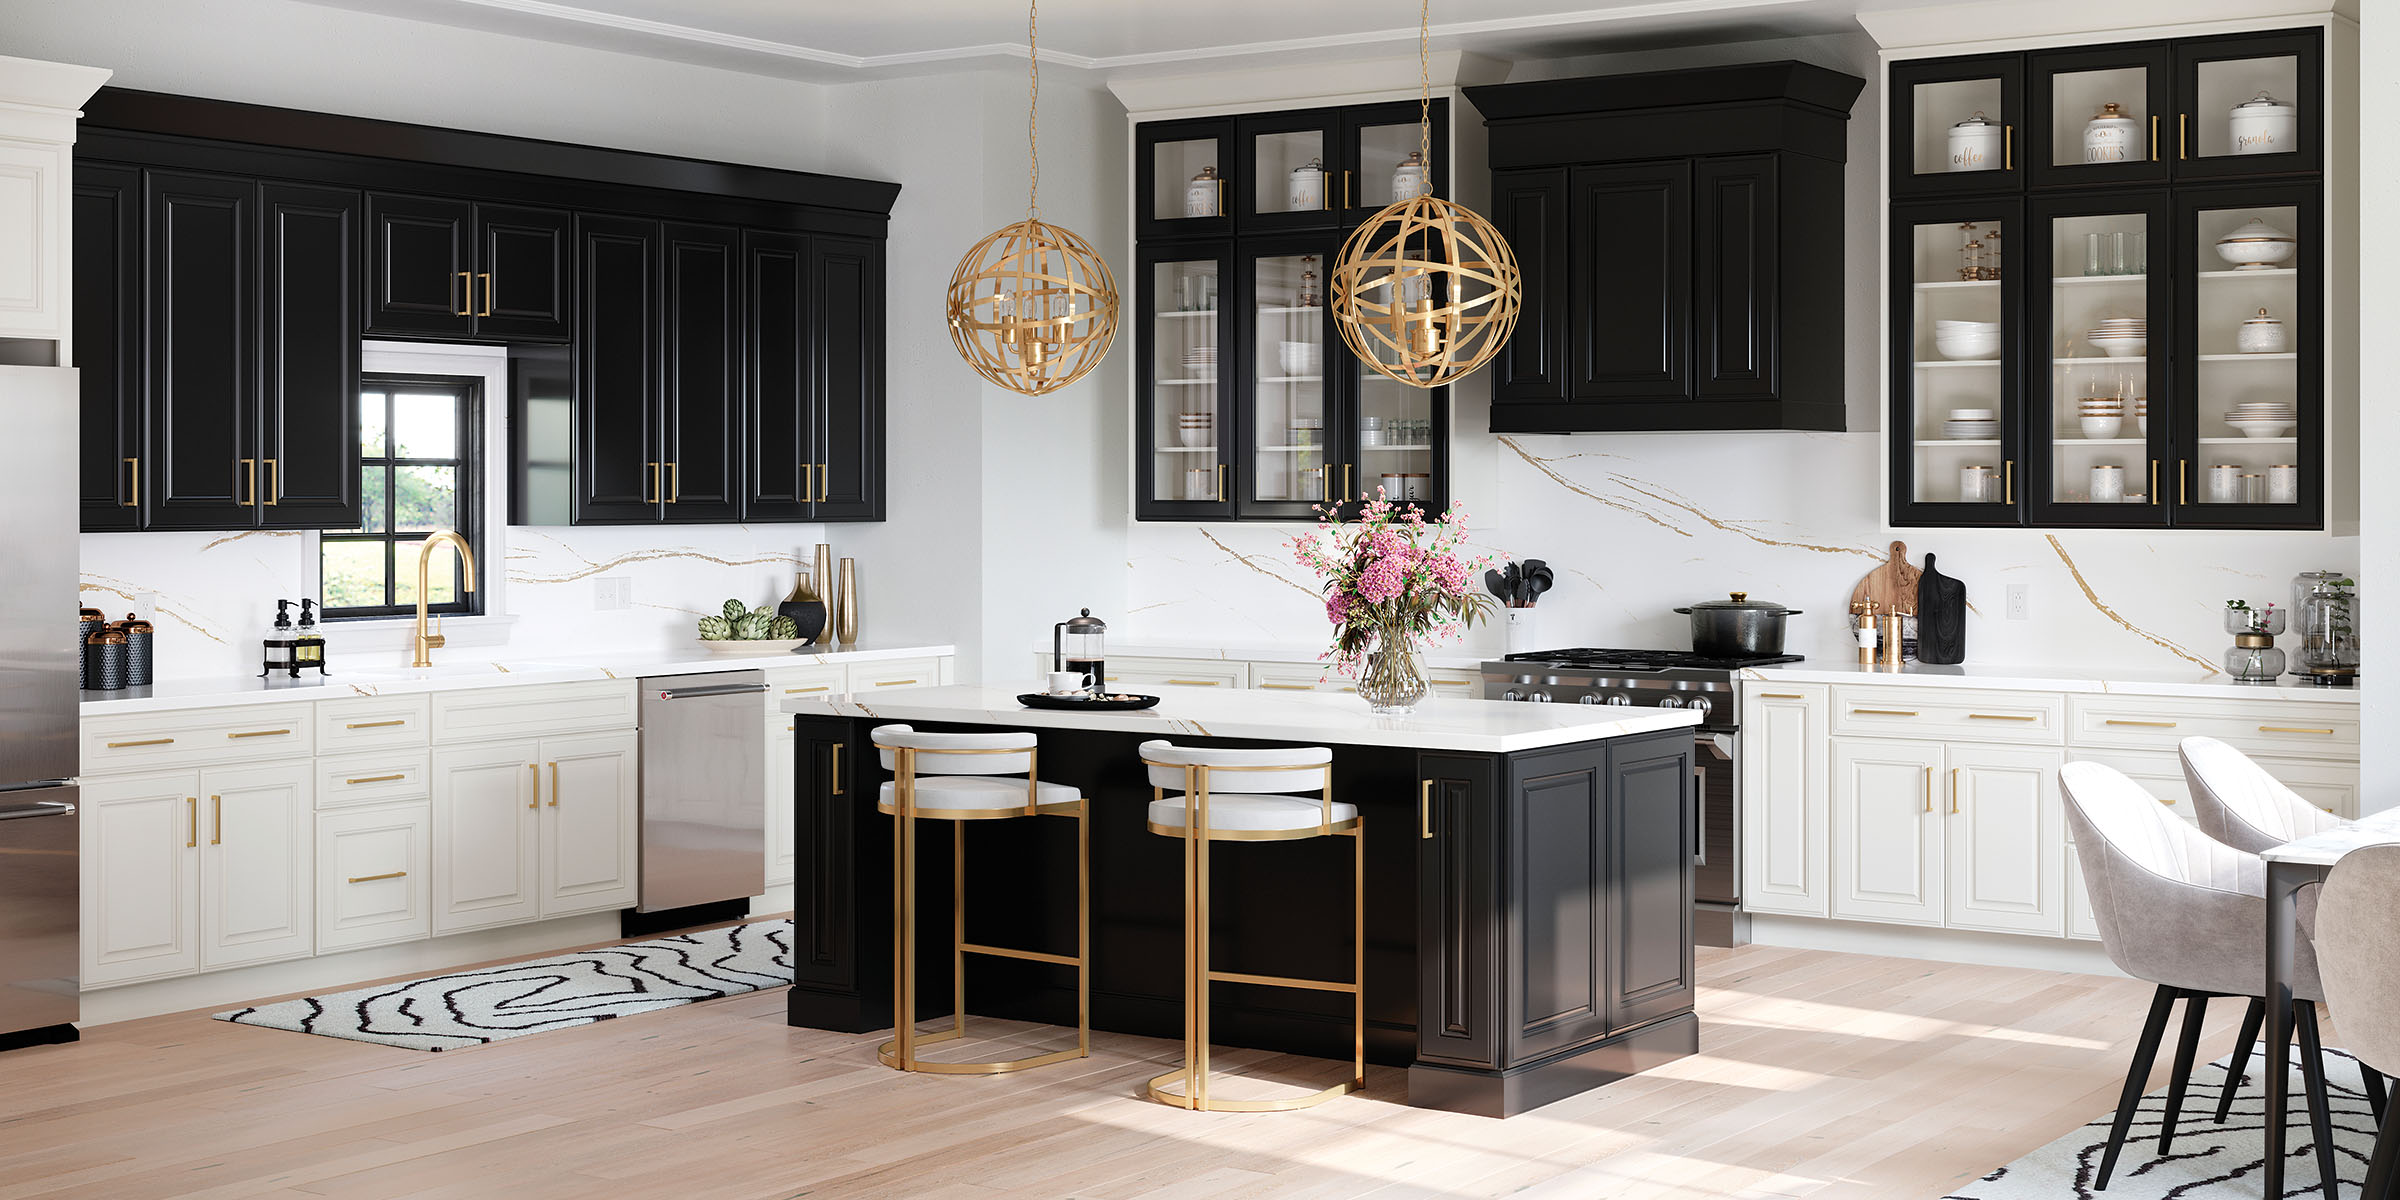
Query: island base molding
pixel 2033 952
pixel 1520 1089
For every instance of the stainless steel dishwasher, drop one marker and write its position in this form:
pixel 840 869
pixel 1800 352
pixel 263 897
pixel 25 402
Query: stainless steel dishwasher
pixel 704 798
pixel 40 995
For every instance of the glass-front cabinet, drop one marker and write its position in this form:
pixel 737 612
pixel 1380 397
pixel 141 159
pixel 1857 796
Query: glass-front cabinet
pixel 1250 407
pixel 2247 106
pixel 2254 361
pixel 2094 453
pixel 1955 124
pixel 1956 423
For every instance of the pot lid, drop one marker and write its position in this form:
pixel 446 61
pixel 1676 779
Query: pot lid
pixel 1742 600
pixel 1976 121
pixel 2263 105
pixel 1086 623
pixel 2257 231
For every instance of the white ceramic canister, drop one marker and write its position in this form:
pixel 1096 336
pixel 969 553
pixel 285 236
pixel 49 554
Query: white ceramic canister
pixel 2108 484
pixel 2262 334
pixel 2264 125
pixel 1975 144
pixel 2224 484
pixel 1307 190
pixel 1200 483
pixel 2111 136
pixel 1522 637
pixel 1200 196
pixel 1975 485
pixel 2283 484
pixel 1409 179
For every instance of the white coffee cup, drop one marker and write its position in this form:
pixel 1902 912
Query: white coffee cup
pixel 1068 683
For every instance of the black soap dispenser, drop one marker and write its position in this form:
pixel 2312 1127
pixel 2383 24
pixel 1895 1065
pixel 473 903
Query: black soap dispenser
pixel 281 645
pixel 308 644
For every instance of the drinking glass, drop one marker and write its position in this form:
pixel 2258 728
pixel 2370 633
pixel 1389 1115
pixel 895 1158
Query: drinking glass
pixel 2092 265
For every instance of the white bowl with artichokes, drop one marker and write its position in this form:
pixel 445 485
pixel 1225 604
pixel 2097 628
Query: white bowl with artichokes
pixel 749 631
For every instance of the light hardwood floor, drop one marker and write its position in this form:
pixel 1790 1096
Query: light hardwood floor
pixel 1820 1074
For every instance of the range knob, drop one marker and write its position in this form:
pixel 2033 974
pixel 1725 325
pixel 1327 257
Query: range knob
pixel 1670 702
pixel 1539 697
pixel 1699 704
pixel 1512 694
pixel 1619 699
pixel 1589 698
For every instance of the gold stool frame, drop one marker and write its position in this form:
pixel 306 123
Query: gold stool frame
pixel 900 1053
pixel 1196 836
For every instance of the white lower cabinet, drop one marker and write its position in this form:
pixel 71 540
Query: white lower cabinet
pixel 1784 809
pixel 782 775
pixel 2006 839
pixel 1887 839
pixel 591 818
pixel 194 870
pixel 534 828
pixel 256 850
pixel 374 877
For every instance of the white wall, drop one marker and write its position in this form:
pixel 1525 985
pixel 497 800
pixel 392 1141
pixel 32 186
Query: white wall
pixel 2379 415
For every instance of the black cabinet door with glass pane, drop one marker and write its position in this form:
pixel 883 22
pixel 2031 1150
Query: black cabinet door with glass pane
pixel 779 454
pixel 108 335
pixel 1293 382
pixel 1957 125
pixel 2099 116
pixel 1384 159
pixel 1185 420
pixel 202 469
pixel 420 266
pixel 1184 178
pixel 1956 329
pixel 2100 338
pixel 702 340
pixel 2250 357
pixel 524 274
pixel 2249 105
pixel 308 370
pixel 1294 171
pixel 620 463
pixel 845 305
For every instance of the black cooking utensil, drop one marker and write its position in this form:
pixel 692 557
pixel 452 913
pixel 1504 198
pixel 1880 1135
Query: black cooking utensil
pixel 1497 584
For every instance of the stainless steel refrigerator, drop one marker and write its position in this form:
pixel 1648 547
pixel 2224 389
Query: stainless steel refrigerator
pixel 39 984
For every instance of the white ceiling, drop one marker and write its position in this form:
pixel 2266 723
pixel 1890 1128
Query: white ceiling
pixel 839 40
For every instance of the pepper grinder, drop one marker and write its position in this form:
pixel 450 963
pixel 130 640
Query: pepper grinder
pixel 1891 638
pixel 1865 612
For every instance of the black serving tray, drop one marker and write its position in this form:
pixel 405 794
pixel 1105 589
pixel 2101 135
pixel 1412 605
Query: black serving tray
pixel 1117 703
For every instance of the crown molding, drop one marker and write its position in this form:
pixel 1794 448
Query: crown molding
pixel 2036 21
pixel 41 100
pixel 1267 88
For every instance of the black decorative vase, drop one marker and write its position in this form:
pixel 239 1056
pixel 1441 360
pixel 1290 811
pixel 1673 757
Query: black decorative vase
pixel 809 615
pixel 1941 618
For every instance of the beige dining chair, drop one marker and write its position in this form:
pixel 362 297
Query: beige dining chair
pixel 2358 953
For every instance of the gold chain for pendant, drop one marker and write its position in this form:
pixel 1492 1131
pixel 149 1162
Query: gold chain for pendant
pixel 1033 108
pixel 1425 88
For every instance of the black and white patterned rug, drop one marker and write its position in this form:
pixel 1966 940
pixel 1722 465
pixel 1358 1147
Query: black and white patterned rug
pixel 2209 1161
pixel 470 1008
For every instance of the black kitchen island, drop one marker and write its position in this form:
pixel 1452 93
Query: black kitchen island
pixel 1528 886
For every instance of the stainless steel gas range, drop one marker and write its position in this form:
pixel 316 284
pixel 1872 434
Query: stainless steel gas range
pixel 1663 679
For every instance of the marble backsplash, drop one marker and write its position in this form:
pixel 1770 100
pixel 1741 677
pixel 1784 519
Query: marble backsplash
pixel 1636 525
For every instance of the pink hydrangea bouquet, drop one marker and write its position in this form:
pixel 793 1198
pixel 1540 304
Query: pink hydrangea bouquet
pixel 1393 580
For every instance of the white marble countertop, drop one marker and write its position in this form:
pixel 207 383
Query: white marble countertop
pixel 452 674
pixel 2323 849
pixel 1483 726
pixel 2116 681
pixel 1448 658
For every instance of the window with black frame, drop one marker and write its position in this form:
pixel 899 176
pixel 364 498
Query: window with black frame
pixel 418 452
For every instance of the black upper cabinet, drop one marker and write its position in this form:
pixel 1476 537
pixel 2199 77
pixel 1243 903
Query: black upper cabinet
pixel 2097 116
pixel 779 475
pixel 2223 131
pixel 1689 225
pixel 309 361
pixel 446 268
pixel 700 408
pixel 1957 125
pixel 202 469
pixel 1180 179
pixel 845 323
pixel 620 464
pixel 108 342
pixel 1319 168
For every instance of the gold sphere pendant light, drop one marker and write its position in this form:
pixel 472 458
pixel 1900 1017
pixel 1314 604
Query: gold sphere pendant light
pixel 1033 306
pixel 1426 290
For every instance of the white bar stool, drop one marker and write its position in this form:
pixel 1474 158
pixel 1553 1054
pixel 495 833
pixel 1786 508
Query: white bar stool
pixel 952 777
pixel 1247 796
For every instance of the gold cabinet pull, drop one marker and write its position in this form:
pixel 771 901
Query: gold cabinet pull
pixel 837 768
pixel 249 467
pixel 486 277
pixel 274 483
pixel 2008 147
pixel 674 489
pixel 1425 809
pixel 1193 682
pixel 1220 481
pixel 1454 683
pixel 191 839
pixel 143 742
pixel 260 733
pixel 2182 469
pixel 375 724
pixel 798 691
pixel 2144 724
pixel 1290 687
pixel 2154 481
pixel 1781 696
pixel 894 682
pixel 466 306
pixel 2183 123
pixel 2008 477
pixel 650 495
pixel 2289 729
pixel 373 878
pixel 1929 789
pixel 554 783
pixel 824 482
pixel 1999 717
pixel 134 476
pixel 1881 712
pixel 216 834
pixel 1954 790
pixel 2153 137
pixel 536 768
pixel 376 779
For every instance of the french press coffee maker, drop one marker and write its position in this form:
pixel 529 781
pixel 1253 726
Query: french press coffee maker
pixel 1076 645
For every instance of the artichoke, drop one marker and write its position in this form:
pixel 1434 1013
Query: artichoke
pixel 753 626
pixel 733 610
pixel 715 629
pixel 783 629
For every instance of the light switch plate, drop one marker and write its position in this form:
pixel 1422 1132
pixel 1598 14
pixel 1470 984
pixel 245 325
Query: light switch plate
pixel 612 592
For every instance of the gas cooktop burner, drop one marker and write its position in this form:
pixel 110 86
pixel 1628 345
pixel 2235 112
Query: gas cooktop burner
pixel 1645 660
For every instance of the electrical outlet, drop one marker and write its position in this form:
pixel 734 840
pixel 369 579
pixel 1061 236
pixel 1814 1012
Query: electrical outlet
pixel 145 606
pixel 2016 602
pixel 612 592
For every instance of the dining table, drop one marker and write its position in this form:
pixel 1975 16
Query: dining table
pixel 2290 868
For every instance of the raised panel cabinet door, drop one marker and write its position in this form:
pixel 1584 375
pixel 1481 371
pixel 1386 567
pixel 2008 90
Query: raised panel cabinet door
pixel 592 789
pixel 1459 914
pixel 1631 253
pixel 1652 842
pixel 1529 208
pixel 140 868
pixel 620 467
pixel 108 342
pixel 2006 834
pixel 703 373
pixel 1785 835
pixel 374 883
pixel 845 309
pixel 486 828
pixel 779 465
pixel 1734 259
pixel 1557 872
pixel 258 895
pixel 524 274
pixel 1887 839
pixel 781 773
pixel 202 469
pixel 420 266
pixel 33 297
pixel 830 869
pixel 308 372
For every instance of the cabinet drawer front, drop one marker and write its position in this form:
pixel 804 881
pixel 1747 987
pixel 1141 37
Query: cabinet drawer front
pixel 372 724
pixel 1950 714
pixel 868 678
pixel 374 778
pixel 244 733
pixel 1297 677
pixel 373 882
pixel 2313 730
pixel 487 714
pixel 800 683
pixel 1137 674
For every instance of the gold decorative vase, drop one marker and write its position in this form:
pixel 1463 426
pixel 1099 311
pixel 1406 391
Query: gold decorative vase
pixel 820 581
pixel 845 606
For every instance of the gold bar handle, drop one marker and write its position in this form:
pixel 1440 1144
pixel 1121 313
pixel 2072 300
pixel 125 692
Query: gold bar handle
pixel 261 733
pixel 824 482
pixel 373 878
pixel 808 475
pixel 249 467
pixel 2154 481
pixel 1454 683
pixel 2144 724
pixel 1220 482
pixel 1999 717
pixel 2153 137
pixel 375 724
pixel 1289 687
pixel 1425 809
pixel 191 839
pixel 486 277
pixel 797 691
pixel 1781 696
pixel 376 779
pixel 467 307
pixel 2183 123
pixel 1954 790
pixel 837 768
pixel 1345 481
pixel 1929 789
pixel 274 484
pixel 554 783
pixel 2009 477
pixel 649 494
pixel 135 476
pixel 674 488
pixel 143 742
pixel 2008 147
pixel 2182 469
pixel 1193 682
pixel 2289 729
pixel 536 768
pixel 216 835
pixel 894 682
pixel 1881 712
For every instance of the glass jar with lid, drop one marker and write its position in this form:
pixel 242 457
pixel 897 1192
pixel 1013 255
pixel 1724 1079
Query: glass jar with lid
pixel 1201 196
pixel 2325 607
pixel 2110 135
pixel 2254 657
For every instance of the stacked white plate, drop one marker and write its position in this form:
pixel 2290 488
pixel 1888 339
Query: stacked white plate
pixel 1967 340
pixel 2141 414
pixel 2102 416
pixel 1971 424
pixel 2264 419
pixel 1201 360
pixel 2121 337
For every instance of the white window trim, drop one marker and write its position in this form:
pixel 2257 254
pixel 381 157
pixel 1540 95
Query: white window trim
pixel 490 364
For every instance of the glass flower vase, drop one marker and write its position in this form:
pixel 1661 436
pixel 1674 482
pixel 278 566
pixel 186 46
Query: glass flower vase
pixel 1393 680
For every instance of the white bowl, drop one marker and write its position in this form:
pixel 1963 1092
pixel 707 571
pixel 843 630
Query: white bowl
pixel 2262 429
pixel 758 649
pixel 2122 347
pixel 1971 414
pixel 2102 427
pixel 2256 246
pixel 1300 358
pixel 1968 349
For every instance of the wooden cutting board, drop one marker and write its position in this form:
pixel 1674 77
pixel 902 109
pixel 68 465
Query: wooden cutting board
pixel 1893 583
